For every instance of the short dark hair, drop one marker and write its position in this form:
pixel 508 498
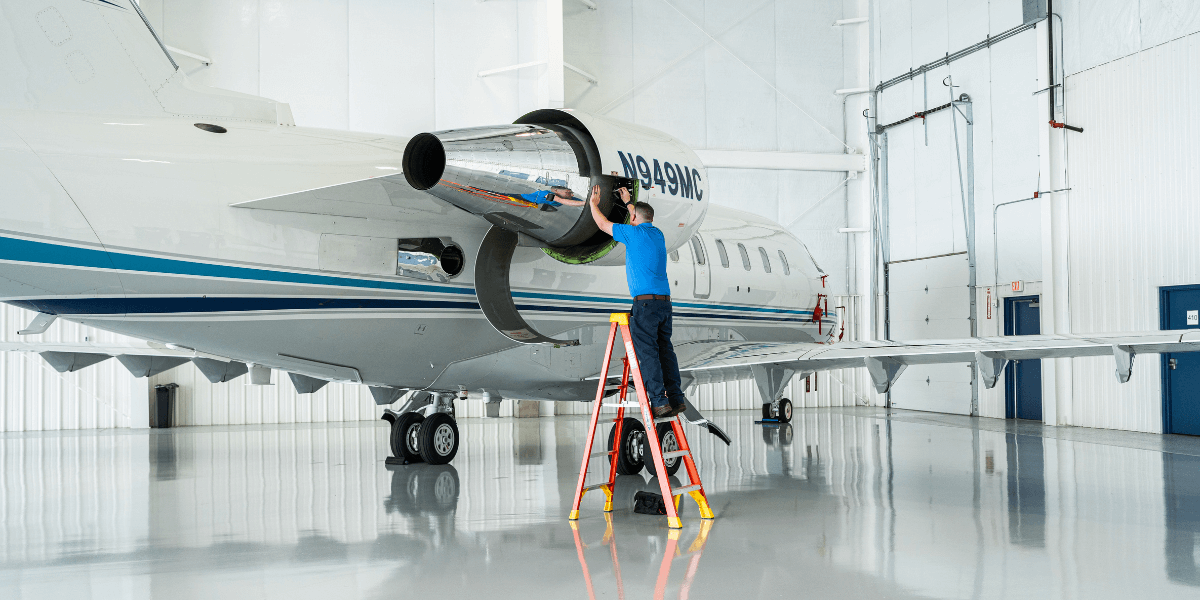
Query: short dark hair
pixel 645 210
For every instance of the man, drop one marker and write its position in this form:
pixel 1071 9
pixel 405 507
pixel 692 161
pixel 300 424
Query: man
pixel 548 200
pixel 650 320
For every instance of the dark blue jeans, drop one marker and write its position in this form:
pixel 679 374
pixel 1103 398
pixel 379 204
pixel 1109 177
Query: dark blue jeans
pixel 650 325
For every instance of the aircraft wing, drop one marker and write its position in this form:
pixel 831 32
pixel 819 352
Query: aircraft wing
pixel 712 361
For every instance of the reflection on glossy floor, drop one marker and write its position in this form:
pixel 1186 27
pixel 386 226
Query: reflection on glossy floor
pixel 843 503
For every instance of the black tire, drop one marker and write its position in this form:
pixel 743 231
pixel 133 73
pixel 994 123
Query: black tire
pixel 785 410
pixel 630 459
pixel 438 439
pixel 666 443
pixel 405 431
pixel 767 414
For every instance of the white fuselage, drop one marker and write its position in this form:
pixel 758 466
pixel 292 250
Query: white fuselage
pixel 126 224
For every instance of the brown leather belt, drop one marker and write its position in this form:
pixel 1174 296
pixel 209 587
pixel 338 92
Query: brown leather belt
pixel 651 297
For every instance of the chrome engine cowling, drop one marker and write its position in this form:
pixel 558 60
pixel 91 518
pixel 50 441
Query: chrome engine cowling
pixel 507 174
pixel 517 177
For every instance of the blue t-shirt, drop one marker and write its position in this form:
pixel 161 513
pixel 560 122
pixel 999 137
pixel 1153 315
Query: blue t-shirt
pixel 645 259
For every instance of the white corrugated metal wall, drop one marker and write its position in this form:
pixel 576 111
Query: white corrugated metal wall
pixel 1133 215
pixel 35 397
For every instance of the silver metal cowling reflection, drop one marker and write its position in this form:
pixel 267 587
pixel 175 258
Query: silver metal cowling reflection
pixel 508 175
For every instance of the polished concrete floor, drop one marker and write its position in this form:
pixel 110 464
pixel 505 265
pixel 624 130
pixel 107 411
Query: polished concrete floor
pixel 843 503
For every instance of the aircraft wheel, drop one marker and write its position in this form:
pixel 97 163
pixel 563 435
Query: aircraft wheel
pixel 404 440
pixel 785 410
pixel 631 457
pixel 785 434
pixel 767 412
pixel 438 439
pixel 667 443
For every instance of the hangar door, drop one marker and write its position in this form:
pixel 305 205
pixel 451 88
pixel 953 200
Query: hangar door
pixel 928 300
pixel 1180 309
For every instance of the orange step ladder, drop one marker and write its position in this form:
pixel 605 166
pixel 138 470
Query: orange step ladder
pixel 695 489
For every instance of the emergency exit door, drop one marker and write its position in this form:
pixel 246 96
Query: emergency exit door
pixel 1179 308
pixel 1023 379
pixel 703 273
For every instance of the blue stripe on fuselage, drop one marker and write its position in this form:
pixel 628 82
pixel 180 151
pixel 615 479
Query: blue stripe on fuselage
pixel 29 251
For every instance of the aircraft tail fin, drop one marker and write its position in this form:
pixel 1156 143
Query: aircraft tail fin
pixel 101 56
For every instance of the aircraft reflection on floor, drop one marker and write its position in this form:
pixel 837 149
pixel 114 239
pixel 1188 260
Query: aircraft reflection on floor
pixel 843 502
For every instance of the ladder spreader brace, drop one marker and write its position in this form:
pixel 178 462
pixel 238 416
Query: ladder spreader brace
pixel 695 489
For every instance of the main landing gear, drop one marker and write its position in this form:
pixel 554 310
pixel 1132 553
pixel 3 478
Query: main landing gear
pixel 635 455
pixel 423 430
pixel 780 412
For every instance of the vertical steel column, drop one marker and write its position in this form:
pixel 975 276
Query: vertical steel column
pixel 967 190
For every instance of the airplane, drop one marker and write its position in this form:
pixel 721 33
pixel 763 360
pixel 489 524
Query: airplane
pixel 207 224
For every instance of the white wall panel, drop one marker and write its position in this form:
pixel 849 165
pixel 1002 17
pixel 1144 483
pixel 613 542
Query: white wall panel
pixel 35 397
pixel 303 48
pixel 1132 215
pixel 391 57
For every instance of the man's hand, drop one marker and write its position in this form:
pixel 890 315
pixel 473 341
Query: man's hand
pixel 624 195
pixel 601 221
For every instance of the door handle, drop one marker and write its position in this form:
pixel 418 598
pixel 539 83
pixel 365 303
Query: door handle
pixel 1171 364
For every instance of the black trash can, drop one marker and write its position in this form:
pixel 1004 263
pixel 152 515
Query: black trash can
pixel 162 406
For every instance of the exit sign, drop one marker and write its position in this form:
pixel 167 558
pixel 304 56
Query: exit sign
pixel 1018 286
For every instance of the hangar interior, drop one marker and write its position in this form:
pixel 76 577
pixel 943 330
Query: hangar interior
pixel 976 168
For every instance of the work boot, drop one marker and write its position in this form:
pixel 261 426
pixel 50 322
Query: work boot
pixel 662 411
pixel 677 407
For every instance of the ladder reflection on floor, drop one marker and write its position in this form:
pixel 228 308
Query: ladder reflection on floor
pixel 672 552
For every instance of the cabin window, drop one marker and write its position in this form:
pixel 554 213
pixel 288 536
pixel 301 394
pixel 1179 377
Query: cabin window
pixel 698 250
pixel 783 259
pixel 766 261
pixel 745 256
pixel 724 255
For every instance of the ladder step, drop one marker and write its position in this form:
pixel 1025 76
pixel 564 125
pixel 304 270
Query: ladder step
pixel 666 420
pixel 679 491
pixel 667 455
pixel 621 405
pixel 596 487
pixel 602 453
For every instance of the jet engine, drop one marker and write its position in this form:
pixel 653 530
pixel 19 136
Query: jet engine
pixel 531 180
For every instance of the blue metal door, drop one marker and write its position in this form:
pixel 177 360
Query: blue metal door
pixel 1023 380
pixel 1181 372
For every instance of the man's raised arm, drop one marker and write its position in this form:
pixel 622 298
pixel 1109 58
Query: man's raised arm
pixel 601 221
